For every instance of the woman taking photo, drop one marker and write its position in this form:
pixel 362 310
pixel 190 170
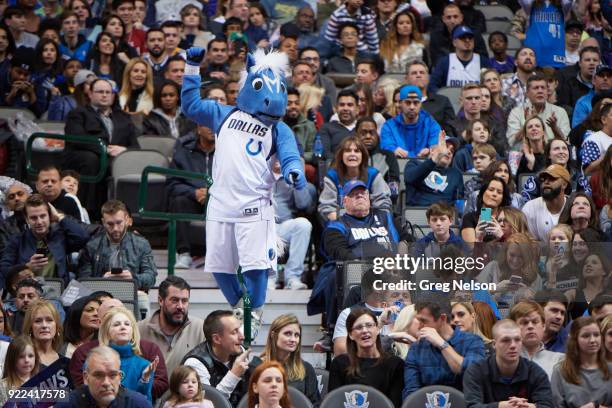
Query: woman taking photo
pixel 20 365
pixel 104 61
pixel 351 163
pixel 403 44
pixel 559 255
pixel 365 362
pixel 284 345
pixel 493 195
pixel 583 379
pixel 501 169
pixel 120 332
pixel 82 323
pixel 166 119
pixel 136 94
pixel 42 323
pixel 268 387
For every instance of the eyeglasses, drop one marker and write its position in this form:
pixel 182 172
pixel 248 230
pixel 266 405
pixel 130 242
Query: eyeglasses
pixel 367 326
pixel 99 376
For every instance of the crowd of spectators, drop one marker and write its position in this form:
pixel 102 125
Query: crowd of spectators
pixel 515 169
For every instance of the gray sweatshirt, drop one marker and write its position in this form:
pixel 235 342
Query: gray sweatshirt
pixel 592 388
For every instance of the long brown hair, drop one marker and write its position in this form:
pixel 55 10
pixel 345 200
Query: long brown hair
pixel 294 365
pixel 485 317
pixel 284 402
pixel 28 321
pixel 351 345
pixel 389 45
pixel 18 346
pixel 369 99
pixel 566 214
pixel 570 367
pixel 338 164
pixel 605 174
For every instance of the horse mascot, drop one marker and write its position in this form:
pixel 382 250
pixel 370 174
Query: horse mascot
pixel 240 227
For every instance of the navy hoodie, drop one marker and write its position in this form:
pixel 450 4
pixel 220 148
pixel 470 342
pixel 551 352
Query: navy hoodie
pixel 427 183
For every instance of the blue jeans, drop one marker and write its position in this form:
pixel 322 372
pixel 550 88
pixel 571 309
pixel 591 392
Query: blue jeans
pixel 297 233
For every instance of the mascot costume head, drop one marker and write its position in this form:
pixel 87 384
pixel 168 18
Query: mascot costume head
pixel 263 87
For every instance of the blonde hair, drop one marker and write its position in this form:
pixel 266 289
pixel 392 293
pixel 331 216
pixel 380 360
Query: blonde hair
pixel 310 97
pixel 530 252
pixel 565 229
pixel 29 320
pixel 388 85
pixel 126 90
pixel 516 219
pixel 605 325
pixel 404 319
pixel 104 331
pixel 293 366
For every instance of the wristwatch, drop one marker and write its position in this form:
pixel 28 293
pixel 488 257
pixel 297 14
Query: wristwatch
pixel 444 345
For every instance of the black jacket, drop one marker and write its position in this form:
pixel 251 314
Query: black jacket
pixel 85 121
pixel 81 397
pixel 155 124
pixel 483 386
pixel 218 370
pixel 13 225
pixel 440 107
pixel 332 133
pixel 189 157
pixel 568 92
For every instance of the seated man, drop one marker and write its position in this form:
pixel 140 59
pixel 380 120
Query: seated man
pixel 220 361
pixel 442 354
pixel 48 185
pixel 440 217
pixel 332 133
pixel 27 292
pixel 434 179
pixel 193 152
pixel 554 304
pixel 17 89
pixel 413 131
pixel 506 379
pixel 102 384
pixel 601 306
pixel 44 246
pixel 15 198
pixel 119 253
pixel 529 316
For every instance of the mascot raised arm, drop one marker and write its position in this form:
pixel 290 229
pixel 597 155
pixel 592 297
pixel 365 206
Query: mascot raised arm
pixel 240 228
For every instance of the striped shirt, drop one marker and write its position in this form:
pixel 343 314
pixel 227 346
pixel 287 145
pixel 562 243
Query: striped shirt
pixel 365 20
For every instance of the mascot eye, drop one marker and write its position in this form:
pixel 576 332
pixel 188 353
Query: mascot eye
pixel 257 84
pixel 282 87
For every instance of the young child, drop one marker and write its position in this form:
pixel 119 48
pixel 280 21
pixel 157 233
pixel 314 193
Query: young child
pixel 440 218
pixel 482 156
pixel 20 365
pixel 477 133
pixel 498 44
pixel 70 180
pixel 186 390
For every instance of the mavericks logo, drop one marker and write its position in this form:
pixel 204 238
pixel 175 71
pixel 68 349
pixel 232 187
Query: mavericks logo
pixel 438 399
pixel 356 399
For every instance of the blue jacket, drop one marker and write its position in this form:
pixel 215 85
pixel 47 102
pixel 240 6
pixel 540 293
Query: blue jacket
pixel 132 366
pixel 188 156
pixel 60 106
pixel 582 109
pixel 412 138
pixel 462 160
pixel 80 52
pixel 427 183
pixel 63 238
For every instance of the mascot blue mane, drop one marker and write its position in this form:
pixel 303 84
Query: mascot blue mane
pixel 263 87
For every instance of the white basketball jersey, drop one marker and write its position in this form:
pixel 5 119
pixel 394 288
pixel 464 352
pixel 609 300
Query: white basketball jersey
pixel 243 179
pixel 460 75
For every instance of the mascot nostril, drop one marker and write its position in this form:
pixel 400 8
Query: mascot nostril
pixel 250 138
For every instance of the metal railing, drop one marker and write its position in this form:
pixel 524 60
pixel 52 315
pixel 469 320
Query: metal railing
pixel 173 218
pixel 85 178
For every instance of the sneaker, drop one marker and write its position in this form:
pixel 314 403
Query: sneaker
pixel 183 261
pixel 325 344
pixel 295 284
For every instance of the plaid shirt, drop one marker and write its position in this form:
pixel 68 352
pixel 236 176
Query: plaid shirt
pixel 425 365
pixel 364 19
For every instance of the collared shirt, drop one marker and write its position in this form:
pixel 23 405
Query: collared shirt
pixel 514 89
pixel 107 121
pixel 425 364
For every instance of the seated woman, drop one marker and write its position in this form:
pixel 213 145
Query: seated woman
pixel 103 59
pixel 61 105
pixel 365 362
pixel 584 377
pixel 501 169
pixel 403 44
pixel 136 94
pixel 47 70
pixel 493 195
pixel 606 335
pixel 580 212
pixel 82 323
pixel 21 364
pixel 533 137
pixel 404 332
pixel 268 387
pixel 351 163
pixel 115 27
pixel 366 105
pixel 192 34
pixel 284 345
pixel 166 119
pixel 515 271
pixel 463 316
pixel 42 323
pixel 477 133
pixel 558 255
pixel 591 280
pixel 120 332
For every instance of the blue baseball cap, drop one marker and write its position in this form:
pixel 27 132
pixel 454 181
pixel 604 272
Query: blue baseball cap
pixel 351 185
pixel 462 31
pixel 406 90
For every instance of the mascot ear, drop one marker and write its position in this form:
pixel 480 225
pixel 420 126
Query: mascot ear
pixel 250 62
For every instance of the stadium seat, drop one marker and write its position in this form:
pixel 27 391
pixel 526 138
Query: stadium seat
pixel 453 94
pixel 358 395
pixel 498 25
pixel 162 144
pixel 214 395
pixel 322 381
pixel 435 396
pixel 126 170
pixel 416 215
pixel 496 12
pixel 298 400
pixel 123 289
pixel 341 80
pixel 53 288
pixel 9 113
pixel 51 126
pixel 348 274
